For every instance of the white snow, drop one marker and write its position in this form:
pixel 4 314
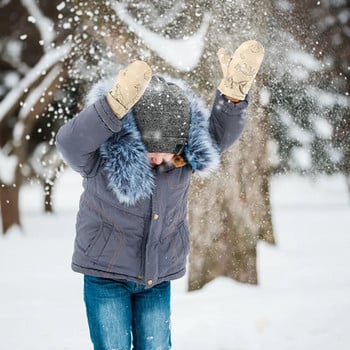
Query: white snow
pixel 7 168
pixel 161 21
pixel 301 303
pixel 264 96
pixel 45 162
pixel 11 79
pixel 183 54
pixel 301 158
pixel 43 23
pixel 13 51
pixel 49 58
pixel 61 6
pixel 344 16
pixel 297 132
pixel 328 99
pixel 31 19
pixel 284 5
pixel 323 128
pixel 32 98
pixel 305 59
pixel 272 151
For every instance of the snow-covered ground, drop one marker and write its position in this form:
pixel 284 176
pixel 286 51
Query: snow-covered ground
pixel 302 301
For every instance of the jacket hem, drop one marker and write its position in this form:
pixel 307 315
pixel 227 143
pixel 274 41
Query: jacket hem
pixel 121 277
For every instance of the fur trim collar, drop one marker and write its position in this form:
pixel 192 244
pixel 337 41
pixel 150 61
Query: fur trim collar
pixel 125 157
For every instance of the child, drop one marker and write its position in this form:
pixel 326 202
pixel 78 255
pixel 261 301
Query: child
pixel 136 145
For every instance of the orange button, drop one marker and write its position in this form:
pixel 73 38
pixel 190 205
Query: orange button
pixel 155 216
pixel 149 282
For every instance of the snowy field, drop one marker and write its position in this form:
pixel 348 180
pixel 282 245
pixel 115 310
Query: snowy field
pixel 301 303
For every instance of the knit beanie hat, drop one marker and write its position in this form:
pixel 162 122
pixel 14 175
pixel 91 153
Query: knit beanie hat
pixel 163 117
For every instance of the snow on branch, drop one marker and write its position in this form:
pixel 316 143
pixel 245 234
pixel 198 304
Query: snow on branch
pixel 8 166
pixel 171 15
pixel 327 99
pixel 36 93
pixel 45 63
pixel 183 54
pixel 162 20
pixel 43 23
pixel 32 99
pixel 305 59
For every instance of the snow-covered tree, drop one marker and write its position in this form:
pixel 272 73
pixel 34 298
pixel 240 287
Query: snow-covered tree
pixel 308 94
pixel 32 74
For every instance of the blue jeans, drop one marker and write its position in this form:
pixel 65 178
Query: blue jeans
pixel 123 312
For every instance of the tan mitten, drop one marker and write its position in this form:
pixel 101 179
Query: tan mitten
pixel 240 70
pixel 129 86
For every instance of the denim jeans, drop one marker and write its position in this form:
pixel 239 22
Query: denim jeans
pixel 124 313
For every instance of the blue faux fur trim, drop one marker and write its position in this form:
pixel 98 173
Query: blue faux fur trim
pixel 125 157
pixel 126 165
pixel 201 152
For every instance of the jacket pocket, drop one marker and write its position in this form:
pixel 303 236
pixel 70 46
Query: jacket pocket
pixel 174 249
pixel 106 248
pixel 98 244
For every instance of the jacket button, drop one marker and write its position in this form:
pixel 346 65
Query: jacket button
pixel 149 282
pixel 155 216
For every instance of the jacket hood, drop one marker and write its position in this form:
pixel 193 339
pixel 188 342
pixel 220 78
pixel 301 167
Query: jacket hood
pixel 126 165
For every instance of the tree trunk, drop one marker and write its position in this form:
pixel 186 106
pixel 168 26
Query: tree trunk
pixel 9 202
pixel 48 188
pixel 9 207
pixel 231 211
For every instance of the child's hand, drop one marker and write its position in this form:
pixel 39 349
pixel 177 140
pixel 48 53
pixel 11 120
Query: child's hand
pixel 129 86
pixel 240 70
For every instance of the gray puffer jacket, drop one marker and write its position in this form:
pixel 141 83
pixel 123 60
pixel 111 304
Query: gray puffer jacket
pixel 132 220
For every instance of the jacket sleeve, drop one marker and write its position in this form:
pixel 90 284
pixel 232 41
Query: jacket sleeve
pixel 227 120
pixel 79 139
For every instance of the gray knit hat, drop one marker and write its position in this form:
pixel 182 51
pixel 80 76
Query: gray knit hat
pixel 163 117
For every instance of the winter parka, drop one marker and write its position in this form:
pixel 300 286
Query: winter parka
pixel 132 218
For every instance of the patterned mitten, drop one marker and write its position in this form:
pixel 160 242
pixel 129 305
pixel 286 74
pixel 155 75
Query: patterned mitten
pixel 240 69
pixel 128 88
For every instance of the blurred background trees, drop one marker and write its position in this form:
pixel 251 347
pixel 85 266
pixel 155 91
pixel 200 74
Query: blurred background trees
pixel 310 101
pixel 52 51
pixel 32 78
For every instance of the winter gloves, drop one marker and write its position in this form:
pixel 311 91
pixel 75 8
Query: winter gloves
pixel 128 88
pixel 240 70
